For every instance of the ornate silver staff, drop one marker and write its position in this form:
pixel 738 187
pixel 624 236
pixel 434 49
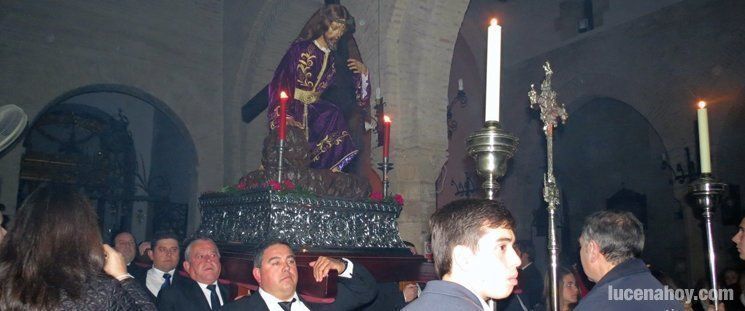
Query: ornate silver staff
pixel 551 111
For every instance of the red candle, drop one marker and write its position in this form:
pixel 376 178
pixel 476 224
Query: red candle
pixel 386 135
pixel 282 115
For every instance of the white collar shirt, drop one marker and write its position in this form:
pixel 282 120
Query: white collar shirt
pixel 154 280
pixel 273 302
pixel 208 293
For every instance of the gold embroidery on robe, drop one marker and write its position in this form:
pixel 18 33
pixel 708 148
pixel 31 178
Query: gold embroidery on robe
pixel 274 123
pixel 327 143
pixel 304 66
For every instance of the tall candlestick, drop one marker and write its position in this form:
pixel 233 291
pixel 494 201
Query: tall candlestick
pixel 460 84
pixel 386 135
pixel 493 64
pixel 377 93
pixel 282 115
pixel 703 138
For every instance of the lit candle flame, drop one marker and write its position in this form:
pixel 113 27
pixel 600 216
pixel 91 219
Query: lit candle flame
pixel 283 95
pixel 494 21
pixel 386 119
pixel 702 104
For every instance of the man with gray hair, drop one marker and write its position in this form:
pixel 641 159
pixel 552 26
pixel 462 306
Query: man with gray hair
pixel 201 292
pixel 610 245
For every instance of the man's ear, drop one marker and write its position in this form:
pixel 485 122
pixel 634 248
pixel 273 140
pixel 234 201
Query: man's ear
pixel 593 249
pixel 461 257
pixel 186 266
pixel 150 253
pixel 257 275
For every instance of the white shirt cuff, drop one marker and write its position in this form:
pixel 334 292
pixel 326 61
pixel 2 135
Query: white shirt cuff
pixel 347 272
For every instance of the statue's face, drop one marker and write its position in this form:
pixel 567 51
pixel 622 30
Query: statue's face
pixel 333 34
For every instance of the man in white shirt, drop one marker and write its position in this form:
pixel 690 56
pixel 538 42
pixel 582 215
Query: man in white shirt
pixel 165 257
pixel 201 292
pixel 275 270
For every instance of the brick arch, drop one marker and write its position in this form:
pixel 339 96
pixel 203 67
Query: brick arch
pixel 608 146
pixel 575 93
pixel 136 93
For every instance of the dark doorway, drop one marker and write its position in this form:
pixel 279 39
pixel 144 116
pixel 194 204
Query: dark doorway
pixel 123 148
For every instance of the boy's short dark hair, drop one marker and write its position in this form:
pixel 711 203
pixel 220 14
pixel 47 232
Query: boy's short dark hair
pixel 462 222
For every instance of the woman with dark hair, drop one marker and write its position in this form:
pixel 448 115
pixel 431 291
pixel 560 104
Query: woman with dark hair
pixel 53 259
pixel 305 72
pixel 568 291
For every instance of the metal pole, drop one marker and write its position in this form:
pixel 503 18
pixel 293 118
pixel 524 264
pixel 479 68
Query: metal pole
pixel 707 193
pixel 551 196
pixel 386 183
pixel 281 157
pixel 712 257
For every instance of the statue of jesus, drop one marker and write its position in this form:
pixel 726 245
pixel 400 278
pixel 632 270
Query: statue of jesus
pixel 305 72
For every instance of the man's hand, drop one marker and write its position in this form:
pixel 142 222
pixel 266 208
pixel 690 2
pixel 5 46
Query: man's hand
pixel 114 265
pixel 322 266
pixel 356 66
pixel 144 247
pixel 411 291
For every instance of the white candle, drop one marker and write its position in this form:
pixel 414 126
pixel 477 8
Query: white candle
pixel 377 93
pixel 493 63
pixel 460 84
pixel 703 138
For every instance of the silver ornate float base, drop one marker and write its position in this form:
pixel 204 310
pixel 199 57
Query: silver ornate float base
pixel 252 217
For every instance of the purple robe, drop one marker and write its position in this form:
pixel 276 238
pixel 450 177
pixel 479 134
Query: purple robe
pixel 304 73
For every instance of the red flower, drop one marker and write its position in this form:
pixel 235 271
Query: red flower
pixel 242 185
pixel 275 185
pixel 399 199
pixel 288 184
pixel 376 196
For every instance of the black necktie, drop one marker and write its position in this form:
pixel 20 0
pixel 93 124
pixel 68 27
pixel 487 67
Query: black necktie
pixel 286 305
pixel 166 281
pixel 213 297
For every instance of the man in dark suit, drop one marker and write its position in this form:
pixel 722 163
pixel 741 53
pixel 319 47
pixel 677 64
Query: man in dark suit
pixel 201 292
pixel 393 296
pixel 610 244
pixel 124 243
pixel 275 270
pixel 165 257
pixel 472 248
pixel 529 289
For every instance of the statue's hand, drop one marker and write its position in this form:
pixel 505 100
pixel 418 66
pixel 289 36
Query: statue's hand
pixel 356 66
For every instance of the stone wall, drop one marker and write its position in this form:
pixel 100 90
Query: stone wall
pixel 170 51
